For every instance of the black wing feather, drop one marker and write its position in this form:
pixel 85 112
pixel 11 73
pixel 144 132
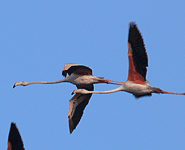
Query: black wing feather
pixel 138 49
pixel 14 138
pixel 77 105
pixel 74 67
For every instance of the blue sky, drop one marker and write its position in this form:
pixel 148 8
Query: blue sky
pixel 38 38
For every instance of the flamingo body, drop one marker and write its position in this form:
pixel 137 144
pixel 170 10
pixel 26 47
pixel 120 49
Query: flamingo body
pixel 138 61
pixel 78 79
pixel 138 90
pixel 136 83
pixel 82 77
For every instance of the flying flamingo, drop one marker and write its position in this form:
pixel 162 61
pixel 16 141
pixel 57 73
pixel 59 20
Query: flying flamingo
pixel 14 139
pixel 82 77
pixel 138 61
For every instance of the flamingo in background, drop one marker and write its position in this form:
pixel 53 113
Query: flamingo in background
pixel 14 139
pixel 138 61
pixel 82 77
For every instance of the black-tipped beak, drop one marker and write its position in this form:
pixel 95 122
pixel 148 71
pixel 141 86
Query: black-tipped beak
pixel 14 86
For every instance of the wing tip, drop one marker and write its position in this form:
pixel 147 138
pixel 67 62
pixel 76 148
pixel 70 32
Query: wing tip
pixel 71 131
pixel 132 24
pixel 13 124
pixel 64 73
pixel 66 67
pixel 14 138
pixel 71 126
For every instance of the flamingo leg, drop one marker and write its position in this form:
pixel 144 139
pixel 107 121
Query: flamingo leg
pixel 110 81
pixel 115 81
pixel 165 92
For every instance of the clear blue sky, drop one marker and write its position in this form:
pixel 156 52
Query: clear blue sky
pixel 38 38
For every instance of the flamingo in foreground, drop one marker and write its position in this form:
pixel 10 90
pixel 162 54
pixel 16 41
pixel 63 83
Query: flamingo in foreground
pixel 82 77
pixel 14 139
pixel 138 61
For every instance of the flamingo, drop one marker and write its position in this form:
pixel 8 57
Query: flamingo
pixel 14 139
pixel 82 77
pixel 136 83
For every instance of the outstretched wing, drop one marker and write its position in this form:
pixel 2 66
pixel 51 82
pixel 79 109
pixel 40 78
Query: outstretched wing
pixel 77 105
pixel 76 68
pixel 14 139
pixel 138 60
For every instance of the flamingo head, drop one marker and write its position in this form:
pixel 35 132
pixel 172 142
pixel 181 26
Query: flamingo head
pixel 23 83
pixel 80 91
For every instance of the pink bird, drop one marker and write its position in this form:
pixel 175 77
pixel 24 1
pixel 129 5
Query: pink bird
pixel 14 139
pixel 138 61
pixel 82 77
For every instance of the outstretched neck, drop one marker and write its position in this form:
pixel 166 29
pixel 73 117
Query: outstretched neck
pixel 50 82
pixel 25 83
pixel 45 82
pixel 121 88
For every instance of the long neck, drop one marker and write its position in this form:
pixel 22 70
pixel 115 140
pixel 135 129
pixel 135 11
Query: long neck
pixel 121 88
pixel 103 80
pixel 51 82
